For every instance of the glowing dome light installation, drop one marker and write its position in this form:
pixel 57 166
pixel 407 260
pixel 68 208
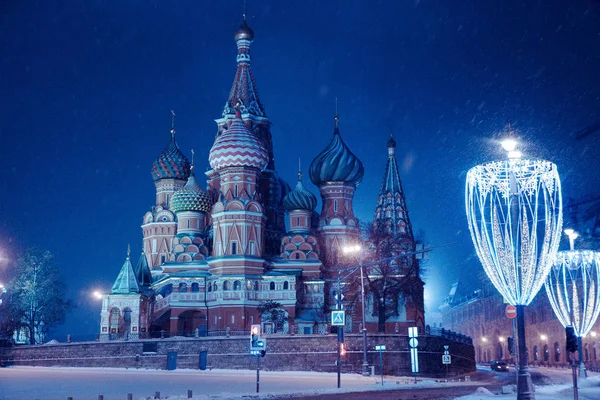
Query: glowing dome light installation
pixel 514 212
pixel 573 288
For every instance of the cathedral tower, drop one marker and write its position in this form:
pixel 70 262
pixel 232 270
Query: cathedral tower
pixel 244 93
pixel 237 158
pixel 170 172
pixel 190 204
pixel 337 172
pixel 392 228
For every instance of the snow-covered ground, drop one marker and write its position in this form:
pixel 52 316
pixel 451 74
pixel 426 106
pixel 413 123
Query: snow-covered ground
pixel 31 383
pixel 559 387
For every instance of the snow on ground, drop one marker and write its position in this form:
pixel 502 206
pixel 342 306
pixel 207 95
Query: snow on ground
pixel 39 383
pixel 559 387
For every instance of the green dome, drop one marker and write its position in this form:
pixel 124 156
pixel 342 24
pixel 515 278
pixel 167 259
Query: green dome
pixel 190 198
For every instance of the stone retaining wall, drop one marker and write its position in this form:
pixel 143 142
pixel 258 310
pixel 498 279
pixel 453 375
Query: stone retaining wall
pixel 299 353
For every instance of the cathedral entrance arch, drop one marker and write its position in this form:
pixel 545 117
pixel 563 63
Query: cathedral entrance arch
pixel 189 321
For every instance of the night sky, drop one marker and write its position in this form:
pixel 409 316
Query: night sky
pixel 86 88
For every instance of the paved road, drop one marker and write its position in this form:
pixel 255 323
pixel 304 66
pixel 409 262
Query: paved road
pixel 30 383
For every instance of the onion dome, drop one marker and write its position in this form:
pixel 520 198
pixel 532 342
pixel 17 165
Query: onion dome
pixel 244 32
pixel 299 198
pixel 238 147
pixel 191 197
pixel 336 163
pixel 171 163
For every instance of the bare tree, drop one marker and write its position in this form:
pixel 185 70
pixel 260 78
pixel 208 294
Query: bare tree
pixel 37 295
pixel 392 274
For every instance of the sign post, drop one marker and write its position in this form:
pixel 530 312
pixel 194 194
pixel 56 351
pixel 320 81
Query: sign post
pixel 511 313
pixel 381 349
pixel 413 333
pixel 446 358
pixel 338 318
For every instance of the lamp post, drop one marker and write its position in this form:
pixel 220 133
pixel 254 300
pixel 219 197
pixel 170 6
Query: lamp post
pixel 514 212
pixel 573 288
pixel 358 249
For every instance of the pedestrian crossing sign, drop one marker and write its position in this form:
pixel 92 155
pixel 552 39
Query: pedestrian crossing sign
pixel 338 318
pixel 446 359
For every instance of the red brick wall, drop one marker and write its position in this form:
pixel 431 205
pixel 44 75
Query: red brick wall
pixel 303 352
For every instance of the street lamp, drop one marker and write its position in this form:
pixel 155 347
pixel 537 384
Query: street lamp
pixel 357 249
pixel 97 295
pixel 514 212
pixel 573 287
pixel 543 338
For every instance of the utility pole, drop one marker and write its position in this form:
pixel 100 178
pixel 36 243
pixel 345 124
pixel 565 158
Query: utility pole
pixel 340 334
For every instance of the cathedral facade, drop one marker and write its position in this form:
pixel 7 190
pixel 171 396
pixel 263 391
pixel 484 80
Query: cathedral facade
pixel 249 249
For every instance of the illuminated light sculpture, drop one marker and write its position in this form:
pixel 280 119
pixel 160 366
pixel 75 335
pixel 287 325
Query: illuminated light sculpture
pixel 514 212
pixel 573 287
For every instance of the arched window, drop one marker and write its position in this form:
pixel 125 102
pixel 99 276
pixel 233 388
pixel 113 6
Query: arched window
pixel 286 285
pixel 209 287
pixel 546 353
pixel 195 287
pixel 536 353
pixel 113 320
pixel 586 353
pixel 237 285
pixel 272 286
pixel 256 287
pixel 226 285
pixel 215 286
pixel 183 287
pixel 556 352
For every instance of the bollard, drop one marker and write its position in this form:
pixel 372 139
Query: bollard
pixel 129 396
pixel 162 334
pixel 157 395
pixel 69 338
pixel 189 394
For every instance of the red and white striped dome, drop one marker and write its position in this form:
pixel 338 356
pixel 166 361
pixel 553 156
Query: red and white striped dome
pixel 238 147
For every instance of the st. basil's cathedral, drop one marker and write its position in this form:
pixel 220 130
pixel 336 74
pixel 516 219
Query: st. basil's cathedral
pixel 249 249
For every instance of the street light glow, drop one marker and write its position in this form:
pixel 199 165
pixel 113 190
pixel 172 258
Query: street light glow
pixel 569 231
pixel 484 339
pixel 355 248
pixel 501 339
pixel 97 295
pixel 509 144
pixel 543 337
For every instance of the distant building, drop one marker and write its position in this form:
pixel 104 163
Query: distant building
pixel 480 314
pixel 211 257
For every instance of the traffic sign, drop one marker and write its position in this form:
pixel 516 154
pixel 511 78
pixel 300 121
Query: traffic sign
pixel 446 359
pixel 511 311
pixel 338 318
pixel 413 333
